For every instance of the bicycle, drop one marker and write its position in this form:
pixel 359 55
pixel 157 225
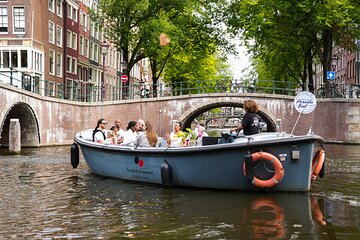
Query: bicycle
pixel 225 86
pixel 331 92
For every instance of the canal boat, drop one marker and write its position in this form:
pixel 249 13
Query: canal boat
pixel 270 161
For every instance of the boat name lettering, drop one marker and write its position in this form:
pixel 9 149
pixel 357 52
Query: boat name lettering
pixel 139 171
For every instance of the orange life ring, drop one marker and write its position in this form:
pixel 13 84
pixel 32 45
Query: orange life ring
pixel 279 170
pixel 317 163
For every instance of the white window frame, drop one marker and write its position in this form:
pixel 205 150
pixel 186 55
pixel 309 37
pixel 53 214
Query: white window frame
pixel 52 67
pixel 81 45
pixel 68 64
pixel 20 20
pixel 51 34
pixel 87 42
pixel 5 18
pixel 58 64
pixel 69 39
pixel 74 41
pixel 59 11
pixel 74 66
pixel 52 6
pixel 59 39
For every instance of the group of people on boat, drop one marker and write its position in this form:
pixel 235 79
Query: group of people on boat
pixel 138 133
pixel 142 134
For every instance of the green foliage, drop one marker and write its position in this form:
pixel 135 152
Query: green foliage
pixel 286 36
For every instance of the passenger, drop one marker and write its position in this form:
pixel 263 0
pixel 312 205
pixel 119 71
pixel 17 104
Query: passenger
pixel 121 132
pixel 140 125
pixel 131 134
pixel 99 132
pixel 250 121
pixel 200 132
pixel 147 138
pixel 176 137
pixel 115 136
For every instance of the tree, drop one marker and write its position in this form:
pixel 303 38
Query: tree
pixel 288 34
pixel 125 22
pixel 135 26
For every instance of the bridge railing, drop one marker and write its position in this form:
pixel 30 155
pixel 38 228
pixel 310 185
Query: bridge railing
pixel 90 92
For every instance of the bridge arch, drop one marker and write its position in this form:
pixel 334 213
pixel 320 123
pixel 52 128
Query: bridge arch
pixel 188 117
pixel 30 135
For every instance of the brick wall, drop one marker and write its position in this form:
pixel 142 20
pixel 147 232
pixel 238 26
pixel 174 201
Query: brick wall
pixel 59 120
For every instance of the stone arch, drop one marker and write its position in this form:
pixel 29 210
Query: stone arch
pixel 30 135
pixel 189 116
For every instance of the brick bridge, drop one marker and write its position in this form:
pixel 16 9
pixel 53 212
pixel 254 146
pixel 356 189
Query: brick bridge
pixel 51 121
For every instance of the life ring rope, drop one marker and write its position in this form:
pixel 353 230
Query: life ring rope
pixel 278 170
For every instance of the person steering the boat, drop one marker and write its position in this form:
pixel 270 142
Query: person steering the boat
pixel 250 121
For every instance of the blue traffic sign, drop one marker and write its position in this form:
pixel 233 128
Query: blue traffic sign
pixel 330 75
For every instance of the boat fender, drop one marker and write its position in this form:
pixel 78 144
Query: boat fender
pixel 249 167
pixel 166 174
pixel 74 153
pixel 317 164
pixel 279 170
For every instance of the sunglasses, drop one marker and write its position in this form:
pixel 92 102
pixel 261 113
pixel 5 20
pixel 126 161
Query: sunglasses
pixel 104 123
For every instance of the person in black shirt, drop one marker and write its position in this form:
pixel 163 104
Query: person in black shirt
pixel 250 121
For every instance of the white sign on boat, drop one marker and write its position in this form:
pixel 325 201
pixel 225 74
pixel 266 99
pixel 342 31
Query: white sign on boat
pixel 305 102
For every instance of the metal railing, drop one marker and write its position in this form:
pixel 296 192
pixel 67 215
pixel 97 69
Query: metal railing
pixel 89 91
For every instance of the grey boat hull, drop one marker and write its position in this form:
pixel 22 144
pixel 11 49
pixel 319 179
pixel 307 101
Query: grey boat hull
pixel 217 166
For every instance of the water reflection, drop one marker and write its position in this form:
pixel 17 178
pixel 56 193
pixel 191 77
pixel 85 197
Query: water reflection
pixel 42 197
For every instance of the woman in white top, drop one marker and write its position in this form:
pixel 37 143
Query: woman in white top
pixel 176 137
pixel 130 134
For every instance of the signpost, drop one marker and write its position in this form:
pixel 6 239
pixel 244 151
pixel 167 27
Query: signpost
pixel 124 78
pixel 304 103
pixel 330 75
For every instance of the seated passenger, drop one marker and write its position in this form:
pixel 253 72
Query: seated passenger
pixel 121 132
pixel 147 138
pixel 99 131
pixel 131 134
pixel 115 136
pixel 176 137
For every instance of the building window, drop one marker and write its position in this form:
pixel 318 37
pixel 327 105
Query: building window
pixel 74 15
pixel 81 45
pixel 24 58
pixel 3 20
pixel 59 36
pixel 51 32
pixel 74 41
pixel 51 5
pixel 59 64
pixel 68 64
pixel 14 58
pixel 86 47
pixel 59 8
pixel 19 19
pixel 69 11
pixel 69 39
pixel 74 65
pixel 5 60
pixel 51 62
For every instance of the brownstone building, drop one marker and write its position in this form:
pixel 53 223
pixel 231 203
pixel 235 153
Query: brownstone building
pixel 51 47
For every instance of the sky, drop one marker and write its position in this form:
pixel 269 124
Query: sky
pixel 239 62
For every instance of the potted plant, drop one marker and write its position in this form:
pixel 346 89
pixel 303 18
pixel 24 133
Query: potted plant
pixel 190 137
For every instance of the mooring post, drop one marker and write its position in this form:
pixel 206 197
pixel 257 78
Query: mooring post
pixel 14 136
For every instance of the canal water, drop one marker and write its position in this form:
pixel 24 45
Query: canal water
pixel 42 197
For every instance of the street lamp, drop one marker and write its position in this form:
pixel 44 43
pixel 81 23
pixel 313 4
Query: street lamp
pixel 104 52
